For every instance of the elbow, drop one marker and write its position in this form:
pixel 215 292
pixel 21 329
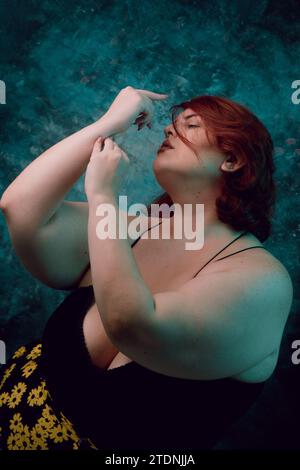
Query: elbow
pixel 9 204
pixel 12 214
pixel 5 196
pixel 3 203
pixel 10 197
pixel 6 203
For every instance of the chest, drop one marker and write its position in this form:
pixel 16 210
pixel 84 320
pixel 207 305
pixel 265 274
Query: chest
pixel 163 266
pixel 167 264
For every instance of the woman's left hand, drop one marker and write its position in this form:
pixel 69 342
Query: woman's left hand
pixel 108 163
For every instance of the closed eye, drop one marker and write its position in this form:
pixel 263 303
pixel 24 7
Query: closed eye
pixel 192 125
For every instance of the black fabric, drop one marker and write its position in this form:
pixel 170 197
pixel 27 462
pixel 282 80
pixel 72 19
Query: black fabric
pixel 29 419
pixel 131 406
pixel 53 381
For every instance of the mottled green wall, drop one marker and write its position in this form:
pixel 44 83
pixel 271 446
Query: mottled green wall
pixel 63 63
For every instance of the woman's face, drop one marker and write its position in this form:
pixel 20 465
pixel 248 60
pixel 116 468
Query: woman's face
pixel 180 161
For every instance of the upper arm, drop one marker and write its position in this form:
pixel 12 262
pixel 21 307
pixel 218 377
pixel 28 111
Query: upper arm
pixel 214 326
pixel 57 253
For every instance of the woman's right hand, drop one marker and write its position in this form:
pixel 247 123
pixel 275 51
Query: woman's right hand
pixel 132 106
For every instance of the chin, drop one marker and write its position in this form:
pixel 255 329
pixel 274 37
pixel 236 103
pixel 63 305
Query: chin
pixel 163 155
pixel 159 163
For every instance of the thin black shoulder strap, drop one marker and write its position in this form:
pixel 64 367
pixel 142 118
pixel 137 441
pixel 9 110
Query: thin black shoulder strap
pixel 135 241
pixel 228 244
pixel 244 249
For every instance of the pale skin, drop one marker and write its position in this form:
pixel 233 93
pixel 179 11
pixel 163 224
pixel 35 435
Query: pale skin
pixel 209 327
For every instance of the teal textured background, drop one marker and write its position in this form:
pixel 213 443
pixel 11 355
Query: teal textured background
pixel 64 62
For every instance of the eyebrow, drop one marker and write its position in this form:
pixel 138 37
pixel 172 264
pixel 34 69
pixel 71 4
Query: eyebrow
pixel 190 115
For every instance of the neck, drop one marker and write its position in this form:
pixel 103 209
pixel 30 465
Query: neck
pixel 213 227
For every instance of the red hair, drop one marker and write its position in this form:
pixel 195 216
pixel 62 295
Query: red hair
pixel 247 194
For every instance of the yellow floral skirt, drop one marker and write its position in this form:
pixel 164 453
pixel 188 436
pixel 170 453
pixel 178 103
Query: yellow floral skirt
pixel 28 418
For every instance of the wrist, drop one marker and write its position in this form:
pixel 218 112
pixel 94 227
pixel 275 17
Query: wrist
pixel 104 197
pixel 106 127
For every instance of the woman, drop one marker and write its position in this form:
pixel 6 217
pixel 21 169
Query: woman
pixel 156 346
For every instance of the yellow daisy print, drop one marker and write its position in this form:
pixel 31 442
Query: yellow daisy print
pixel 24 442
pixel 37 396
pixel 4 398
pixel 20 352
pixel 28 368
pixel 19 440
pixel 48 414
pixel 58 433
pixel 38 437
pixel 48 419
pixel 39 444
pixel 69 428
pixel 16 423
pixel 13 442
pixel 6 374
pixel 16 394
pixel 35 352
pixel 28 417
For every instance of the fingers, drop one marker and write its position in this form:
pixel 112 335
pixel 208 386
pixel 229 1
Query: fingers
pixel 125 156
pixel 142 121
pixel 108 143
pixel 146 116
pixel 98 144
pixel 146 122
pixel 152 95
pixel 104 142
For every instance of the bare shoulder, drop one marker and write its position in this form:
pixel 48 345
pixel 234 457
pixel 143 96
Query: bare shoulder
pixel 279 280
pixel 266 264
pixel 254 261
pixel 264 276
pixel 224 321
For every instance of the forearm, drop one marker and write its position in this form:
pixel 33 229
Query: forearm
pixel 120 291
pixel 37 192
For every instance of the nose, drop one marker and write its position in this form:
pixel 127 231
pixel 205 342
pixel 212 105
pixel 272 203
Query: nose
pixel 169 130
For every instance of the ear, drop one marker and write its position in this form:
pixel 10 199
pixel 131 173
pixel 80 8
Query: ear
pixel 231 164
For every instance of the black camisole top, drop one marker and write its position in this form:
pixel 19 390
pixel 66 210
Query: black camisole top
pixel 132 407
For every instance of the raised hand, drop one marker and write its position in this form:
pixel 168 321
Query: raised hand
pixel 107 166
pixel 132 106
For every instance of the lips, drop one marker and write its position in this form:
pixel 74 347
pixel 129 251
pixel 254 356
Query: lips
pixel 165 145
